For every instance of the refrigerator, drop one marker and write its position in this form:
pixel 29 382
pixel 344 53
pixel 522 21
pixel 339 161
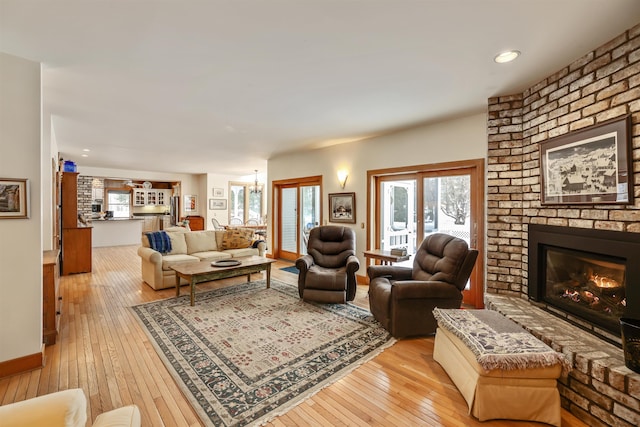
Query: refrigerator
pixel 174 211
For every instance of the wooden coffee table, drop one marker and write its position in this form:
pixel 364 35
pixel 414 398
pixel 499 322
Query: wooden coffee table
pixel 203 271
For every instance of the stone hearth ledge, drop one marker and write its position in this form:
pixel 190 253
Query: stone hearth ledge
pixel 599 385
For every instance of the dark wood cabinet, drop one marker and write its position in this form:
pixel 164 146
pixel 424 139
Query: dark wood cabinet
pixel 51 299
pixel 76 241
pixel 196 223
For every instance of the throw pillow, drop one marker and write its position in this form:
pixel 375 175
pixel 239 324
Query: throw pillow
pixel 159 241
pixel 237 238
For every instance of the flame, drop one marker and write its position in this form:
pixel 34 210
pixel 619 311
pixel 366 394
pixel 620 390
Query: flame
pixel 605 282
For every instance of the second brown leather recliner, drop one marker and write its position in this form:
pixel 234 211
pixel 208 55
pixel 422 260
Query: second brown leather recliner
pixel 402 298
pixel 328 270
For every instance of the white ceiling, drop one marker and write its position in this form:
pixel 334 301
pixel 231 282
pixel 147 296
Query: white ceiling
pixel 221 86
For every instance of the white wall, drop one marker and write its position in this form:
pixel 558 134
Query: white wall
pixel 21 248
pixel 462 138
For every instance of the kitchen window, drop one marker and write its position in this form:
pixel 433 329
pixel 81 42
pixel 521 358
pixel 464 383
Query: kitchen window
pixel 119 202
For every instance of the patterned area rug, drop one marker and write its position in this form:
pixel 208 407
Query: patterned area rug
pixel 245 354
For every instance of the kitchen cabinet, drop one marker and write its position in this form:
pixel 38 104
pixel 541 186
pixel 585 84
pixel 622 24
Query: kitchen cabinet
pixel 139 197
pixel 142 197
pixel 76 241
pixel 163 197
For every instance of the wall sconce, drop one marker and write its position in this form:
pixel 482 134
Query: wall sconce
pixel 342 178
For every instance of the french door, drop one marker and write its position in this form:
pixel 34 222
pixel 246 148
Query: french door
pixel 415 202
pixel 299 210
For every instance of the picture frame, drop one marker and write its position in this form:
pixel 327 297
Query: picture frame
pixel 190 203
pixel 218 192
pixel 14 198
pixel 218 204
pixel 590 166
pixel 342 207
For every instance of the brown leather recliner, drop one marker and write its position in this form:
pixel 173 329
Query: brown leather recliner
pixel 328 270
pixel 403 298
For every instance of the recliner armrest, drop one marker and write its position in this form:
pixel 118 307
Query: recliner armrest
pixel 416 289
pixel 304 263
pixel 353 264
pixel 393 272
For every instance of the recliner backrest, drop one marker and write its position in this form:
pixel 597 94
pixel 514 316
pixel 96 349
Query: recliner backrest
pixel 331 245
pixel 444 258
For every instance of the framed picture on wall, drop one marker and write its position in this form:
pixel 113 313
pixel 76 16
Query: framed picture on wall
pixel 342 207
pixel 14 198
pixel 217 204
pixel 190 203
pixel 218 192
pixel 591 166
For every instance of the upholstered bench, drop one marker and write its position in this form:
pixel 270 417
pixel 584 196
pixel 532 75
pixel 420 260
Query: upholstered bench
pixel 501 370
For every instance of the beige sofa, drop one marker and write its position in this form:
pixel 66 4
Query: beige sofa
pixel 66 408
pixel 194 246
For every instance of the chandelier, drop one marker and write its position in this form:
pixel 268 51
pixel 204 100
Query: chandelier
pixel 256 187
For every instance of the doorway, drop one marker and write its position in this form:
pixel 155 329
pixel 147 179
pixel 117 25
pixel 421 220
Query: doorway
pixel 299 208
pixel 411 203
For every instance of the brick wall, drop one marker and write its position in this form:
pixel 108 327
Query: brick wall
pixel 602 85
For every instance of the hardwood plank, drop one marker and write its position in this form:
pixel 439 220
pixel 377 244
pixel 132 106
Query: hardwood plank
pixel 103 350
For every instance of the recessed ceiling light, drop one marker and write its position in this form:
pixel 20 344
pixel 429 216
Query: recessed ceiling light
pixel 85 155
pixel 86 150
pixel 507 56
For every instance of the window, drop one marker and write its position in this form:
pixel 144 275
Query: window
pixel 119 201
pixel 244 208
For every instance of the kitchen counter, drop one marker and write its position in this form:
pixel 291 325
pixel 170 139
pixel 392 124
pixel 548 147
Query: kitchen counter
pixel 116 231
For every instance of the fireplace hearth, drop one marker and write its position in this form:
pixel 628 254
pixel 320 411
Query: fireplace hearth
pixel 590 277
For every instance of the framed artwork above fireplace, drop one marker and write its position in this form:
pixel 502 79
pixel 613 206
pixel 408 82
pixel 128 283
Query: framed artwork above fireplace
pixel 590 166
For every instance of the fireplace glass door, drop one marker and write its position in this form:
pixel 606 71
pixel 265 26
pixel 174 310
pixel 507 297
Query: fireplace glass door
pixel 587 285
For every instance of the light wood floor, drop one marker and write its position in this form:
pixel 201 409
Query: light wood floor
pixel 102 350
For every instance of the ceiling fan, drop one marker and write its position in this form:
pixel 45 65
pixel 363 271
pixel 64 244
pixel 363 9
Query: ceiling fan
pixel 132 184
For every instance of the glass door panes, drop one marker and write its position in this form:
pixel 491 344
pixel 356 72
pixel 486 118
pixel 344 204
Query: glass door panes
pixel 309 213
pixel 447 206
pixel 289 220
pixel 236 202
pixel 398 215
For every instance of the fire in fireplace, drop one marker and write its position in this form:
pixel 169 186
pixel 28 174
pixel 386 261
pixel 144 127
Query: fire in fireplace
pixel 589 275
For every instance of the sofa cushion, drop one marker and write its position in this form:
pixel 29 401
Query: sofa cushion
pixel 178 242
pixel 201 241
pixel 212 255
pixel 169 260
pixel 242 252
pixel 237 238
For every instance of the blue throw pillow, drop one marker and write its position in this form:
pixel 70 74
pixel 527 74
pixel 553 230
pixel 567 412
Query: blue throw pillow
pixel 159 241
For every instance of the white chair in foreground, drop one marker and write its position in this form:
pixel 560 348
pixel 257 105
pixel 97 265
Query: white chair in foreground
pixel 67 408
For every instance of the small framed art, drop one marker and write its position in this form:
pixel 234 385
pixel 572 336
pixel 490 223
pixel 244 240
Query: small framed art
pixel 217 204
pixel 14 198
pixel 342 207
pixel 190 203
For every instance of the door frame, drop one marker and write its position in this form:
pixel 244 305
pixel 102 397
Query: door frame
pixel 475 168
pixel 277 187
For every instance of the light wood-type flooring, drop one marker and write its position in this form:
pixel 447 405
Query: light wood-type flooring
pixel 102 349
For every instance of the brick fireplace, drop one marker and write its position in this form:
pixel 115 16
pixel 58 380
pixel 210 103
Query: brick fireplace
pixel 602 85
